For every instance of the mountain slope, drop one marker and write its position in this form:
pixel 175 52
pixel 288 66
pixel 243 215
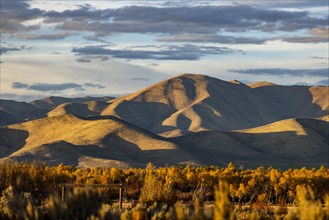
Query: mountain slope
pixel 88 139
pixel 13 112
pixel 53 101
pixel 91 108
pixel 108 141
pixel 190 103
pixel 290 141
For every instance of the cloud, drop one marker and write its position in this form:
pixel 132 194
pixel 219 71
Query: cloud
pixel 316 35
pixel 282 72
pixel 95 39
pixel 320 32
pixel 179 20
pixel 4 50
pixel 306 39
pixel 18 85
pixel 212 38
pixel 9 48
pixel 14 14
pixel 45 87
pixel 54 36
pixel 140 79
pixel 168 52
pixel 54 87
pixel 94 85
pixel 190 23
pixel 83 60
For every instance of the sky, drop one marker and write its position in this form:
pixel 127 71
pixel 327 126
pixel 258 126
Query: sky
pixel 110 48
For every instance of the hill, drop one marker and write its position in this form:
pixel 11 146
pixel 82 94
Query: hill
pixel 13 112
pixel 93 141
pixel 107 141
pixel 191 103
pixel 53 101
pixel 287 142
pixel 91 108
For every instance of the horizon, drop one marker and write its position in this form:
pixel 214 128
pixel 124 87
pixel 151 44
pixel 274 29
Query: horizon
pixel 100 48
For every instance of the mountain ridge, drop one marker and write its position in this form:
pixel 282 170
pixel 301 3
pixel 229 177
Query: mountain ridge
pixel 187 119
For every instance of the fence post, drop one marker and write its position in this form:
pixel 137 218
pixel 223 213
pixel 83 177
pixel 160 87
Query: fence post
pixel 120 196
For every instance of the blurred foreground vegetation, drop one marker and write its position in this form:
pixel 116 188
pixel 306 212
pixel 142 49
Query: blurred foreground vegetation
pixel 31 192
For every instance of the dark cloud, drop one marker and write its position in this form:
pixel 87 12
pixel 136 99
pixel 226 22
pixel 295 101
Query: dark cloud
pixel 170 52
pixel 281 72
pixel 305 39
pixel 84 12
pixel 184 24
pixel 94 85
pixel 178 20
pixel 45 87
pixel 140 79
pixel 14 13
pixel 4 50
pixel 89 58
pixel 18 85
pixel 224 39
pixel 212 38
pixel 54 87
pixel 8 48
pixel 95 39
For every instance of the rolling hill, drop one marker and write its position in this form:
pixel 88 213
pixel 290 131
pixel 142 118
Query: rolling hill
pixel 92 141
pixel 191 103
pixel 188 119
pixel 287 142
pixel 106 141
pixel 91 108
pixel 13 112
pixel 53 101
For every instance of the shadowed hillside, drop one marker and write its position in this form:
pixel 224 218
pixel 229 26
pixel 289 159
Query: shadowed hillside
pixel 189 119
pixel 196 102
pixel 291 141
pixel 88 142
pixel 13 112
pixel 53 101
pixel 91 108
pixel 107 141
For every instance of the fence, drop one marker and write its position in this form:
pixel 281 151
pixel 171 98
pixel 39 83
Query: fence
pixel 63 186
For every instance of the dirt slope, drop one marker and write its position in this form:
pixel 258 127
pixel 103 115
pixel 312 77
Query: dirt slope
pixel 290 141
pixel 97 139
pixel 190 103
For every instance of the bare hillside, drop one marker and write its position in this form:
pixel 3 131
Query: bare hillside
pixel 13 112
pixel 191 103
pixel 91 108
pixel 106 139
pixel 53 101
pixel 290 141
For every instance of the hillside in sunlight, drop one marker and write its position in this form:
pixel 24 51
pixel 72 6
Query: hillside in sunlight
pixel 188 119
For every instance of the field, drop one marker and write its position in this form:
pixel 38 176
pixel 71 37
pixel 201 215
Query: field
pixel 31 191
